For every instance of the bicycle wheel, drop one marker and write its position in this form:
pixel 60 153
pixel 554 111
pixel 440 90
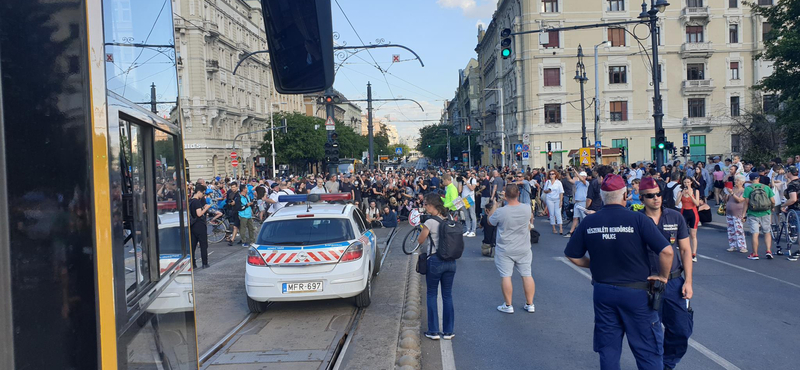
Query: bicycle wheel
pixel 216 231
pixel 776 227
pixel 410 243
pixel 793 225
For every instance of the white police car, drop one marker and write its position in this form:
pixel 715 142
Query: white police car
pixel 312 251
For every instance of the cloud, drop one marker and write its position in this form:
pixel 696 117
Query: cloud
pixel 407 117
pixel 471 8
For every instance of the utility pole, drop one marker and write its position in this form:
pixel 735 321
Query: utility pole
pixel 658 114
pixel 580 77
pixel 333 161
pixel 449 155
pixel 502 127
pixel 596 97
pixel 370 128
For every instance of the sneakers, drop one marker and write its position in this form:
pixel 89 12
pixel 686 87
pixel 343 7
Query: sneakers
pixel 245 245
pixel 752 256
pixel 731 249
pixel 742 250
pixel 694 258
pixel 792 257
pixel 434 336
pixel 567 235
pixel 529 308
pixel 466 233
pixel 448 336
pixel 505 309
pixel 471 234
pixel 769 255
pixel 779 252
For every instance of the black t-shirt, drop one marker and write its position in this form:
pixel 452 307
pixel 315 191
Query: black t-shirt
pixel 345 187
pixel 764 180
pixel 616 238
pixel 793 187
pixel 194 205
pixel 673 227
pixel 593 193
pixel 487 191
pixel 377 187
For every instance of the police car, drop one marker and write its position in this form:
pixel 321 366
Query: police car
pixel 311 251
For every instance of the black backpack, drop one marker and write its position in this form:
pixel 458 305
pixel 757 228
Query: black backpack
pixel 450 245
pixel 668 196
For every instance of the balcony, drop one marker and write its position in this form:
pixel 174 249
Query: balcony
pixel 698 14
pixel 697 50
pixel 212 65
pixel 211 28
pixel 698 87
pixel 243 47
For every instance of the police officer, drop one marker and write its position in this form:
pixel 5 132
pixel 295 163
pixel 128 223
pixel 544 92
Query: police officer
pixel 675 313
pixel 619 242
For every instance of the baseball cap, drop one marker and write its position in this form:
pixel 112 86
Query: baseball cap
pixel 582 173
pixel 792 169
pixel 274 185
pixel 209 191
pixel 753 176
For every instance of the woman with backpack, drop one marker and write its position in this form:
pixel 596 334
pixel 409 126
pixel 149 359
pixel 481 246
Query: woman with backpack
pixel 690 200
pixel 438 271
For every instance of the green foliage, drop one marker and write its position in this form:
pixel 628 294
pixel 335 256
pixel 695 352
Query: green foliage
pixel 351 144
pixel 782 48
pixel 302 144
pixel 433 143
pixel 761 138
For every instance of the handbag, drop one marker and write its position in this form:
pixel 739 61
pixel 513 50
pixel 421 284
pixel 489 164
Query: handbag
pixel 422 260
pixel 721 209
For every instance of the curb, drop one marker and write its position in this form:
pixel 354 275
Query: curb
pixel 409 352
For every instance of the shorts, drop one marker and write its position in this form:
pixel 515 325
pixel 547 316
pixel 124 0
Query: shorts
pixel 691 217
pixel 719 184
pixel 262 205
pixel 234 220
pixel 505 263
pixel 579 211
pixel 759 225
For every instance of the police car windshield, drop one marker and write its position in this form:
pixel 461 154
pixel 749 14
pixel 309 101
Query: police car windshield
pixel 311 231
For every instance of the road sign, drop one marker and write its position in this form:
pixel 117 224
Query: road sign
pixel 586 156
pixel 234 163
pixel 526 138
pixel 526 148
pixel 395 58
pixel 685 139
pixel 518 148
pixel 158 163
pixel 330 125
pixel 398 151
pixel 597 144
pixel 233 155
pixel 525 155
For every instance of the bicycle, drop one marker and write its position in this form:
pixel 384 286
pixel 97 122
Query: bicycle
pixel 218 229
pixel 789 225
pixel 410 241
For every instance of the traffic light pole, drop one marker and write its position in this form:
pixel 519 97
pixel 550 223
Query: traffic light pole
pixel 370 128
pixel 658 114
pixel 329 113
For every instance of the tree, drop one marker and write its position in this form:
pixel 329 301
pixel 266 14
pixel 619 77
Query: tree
pixel 781 47
pixel 761 138
pixel 433 143
pixel 301 145
pixel 351 144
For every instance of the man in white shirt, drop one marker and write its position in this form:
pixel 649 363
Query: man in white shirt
pixel 319 189
pixel 467 193
pixel 283 189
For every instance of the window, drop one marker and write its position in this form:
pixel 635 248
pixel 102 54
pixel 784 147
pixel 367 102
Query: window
pixel 697 148
pixel 770 104
pixel 694 34
pixel 549 6
pixel 552 113
pixel 733 33
pixel 309 231
pixel 618 74
pixel 554 41
pixel 552 77
pixel 697 107
pixel 735 106
pixel 736 143
pixel 616 36
pixel 134 190
pixel 619 111
pixel 616 5
pixel 695 71
pixel 733 4
pixel 734 70
pixel 694 3
pixel 766 28
pixel 765 2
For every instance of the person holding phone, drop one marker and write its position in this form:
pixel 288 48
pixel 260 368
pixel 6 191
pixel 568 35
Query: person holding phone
pixel 197 210
pixel 555 198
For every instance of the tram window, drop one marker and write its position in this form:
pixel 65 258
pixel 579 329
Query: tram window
pixel 168 201
pixel 134 209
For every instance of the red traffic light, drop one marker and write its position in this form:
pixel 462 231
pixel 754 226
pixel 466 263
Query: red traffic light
pixel 328 99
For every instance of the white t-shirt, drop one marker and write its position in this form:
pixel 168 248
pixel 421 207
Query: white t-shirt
pixel 465 192
pixel 433 228
pixel 274 196
pixel 556 189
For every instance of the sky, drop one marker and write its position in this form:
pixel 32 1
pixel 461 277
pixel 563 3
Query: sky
pixel 442 32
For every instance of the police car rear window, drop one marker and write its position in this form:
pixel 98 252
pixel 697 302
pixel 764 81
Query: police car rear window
pixel 309 231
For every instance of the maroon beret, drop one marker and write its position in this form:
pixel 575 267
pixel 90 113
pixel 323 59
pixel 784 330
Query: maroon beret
pixel 647 184
pixel 612 183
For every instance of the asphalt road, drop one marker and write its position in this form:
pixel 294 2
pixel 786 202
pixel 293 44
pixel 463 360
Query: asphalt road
pixel 745 313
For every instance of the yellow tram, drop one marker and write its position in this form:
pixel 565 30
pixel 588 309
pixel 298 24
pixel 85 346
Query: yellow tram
pixel 95 268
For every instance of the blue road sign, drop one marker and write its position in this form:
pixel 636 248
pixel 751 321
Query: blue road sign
pixel 399 151
pixel 518 148
pixel 597 144
pixel 526 148
pixel 685 139
pixel 525 155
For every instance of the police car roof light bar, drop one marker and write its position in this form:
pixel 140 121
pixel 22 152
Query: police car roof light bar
pixel 313 198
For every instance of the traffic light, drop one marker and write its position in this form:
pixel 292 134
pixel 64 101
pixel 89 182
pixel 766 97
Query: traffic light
pixel 661 139
pixel 329 99
pixel 549 151
pixel 469 129
pixel 622 153
pixel 519 156
pixel 599 152
pixel 505 43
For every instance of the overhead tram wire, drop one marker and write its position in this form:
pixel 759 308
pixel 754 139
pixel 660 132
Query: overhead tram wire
pixel 125 85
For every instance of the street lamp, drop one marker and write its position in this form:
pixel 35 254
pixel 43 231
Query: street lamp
pixel 651 16
pixel 580 77
pixel 502 126
pixel 597 95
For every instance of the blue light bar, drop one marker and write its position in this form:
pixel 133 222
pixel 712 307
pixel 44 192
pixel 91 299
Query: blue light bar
pixel 313 198
pixel 298 198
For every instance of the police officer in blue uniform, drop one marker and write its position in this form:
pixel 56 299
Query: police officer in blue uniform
pixel 676 312
pixel 619 242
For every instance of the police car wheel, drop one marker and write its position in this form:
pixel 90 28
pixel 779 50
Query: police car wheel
pixel 364 298
pixel 256 306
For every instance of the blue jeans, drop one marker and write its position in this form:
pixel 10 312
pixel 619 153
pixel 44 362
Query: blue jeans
pixel 444 272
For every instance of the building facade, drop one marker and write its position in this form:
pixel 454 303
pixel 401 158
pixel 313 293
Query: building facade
pixel 706 70
pixel 217 106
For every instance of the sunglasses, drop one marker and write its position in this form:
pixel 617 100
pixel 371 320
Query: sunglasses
pixel 651 195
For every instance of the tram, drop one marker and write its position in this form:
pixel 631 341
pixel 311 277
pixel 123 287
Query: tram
pixel 95 268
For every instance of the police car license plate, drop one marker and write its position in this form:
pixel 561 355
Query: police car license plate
pixel 307 287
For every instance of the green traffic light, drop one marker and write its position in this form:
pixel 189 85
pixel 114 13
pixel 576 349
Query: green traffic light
pixel 506 53
pixel 661 145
